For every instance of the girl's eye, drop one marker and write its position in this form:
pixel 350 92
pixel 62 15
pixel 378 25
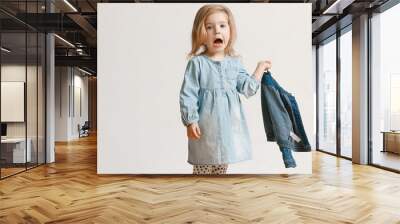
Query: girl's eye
pixel 222 25
pixel 208 27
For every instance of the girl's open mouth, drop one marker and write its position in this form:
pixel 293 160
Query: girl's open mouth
pixel 218 42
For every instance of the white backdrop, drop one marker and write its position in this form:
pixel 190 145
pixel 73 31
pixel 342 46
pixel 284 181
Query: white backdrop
pixel 141 62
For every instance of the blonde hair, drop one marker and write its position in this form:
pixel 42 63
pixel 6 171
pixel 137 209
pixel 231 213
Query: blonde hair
pixel 199 33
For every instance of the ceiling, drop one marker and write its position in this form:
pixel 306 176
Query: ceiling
pixel 76 22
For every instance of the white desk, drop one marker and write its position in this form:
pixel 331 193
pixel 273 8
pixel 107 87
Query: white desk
pixel 18 150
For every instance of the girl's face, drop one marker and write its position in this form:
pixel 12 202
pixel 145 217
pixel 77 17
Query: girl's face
pixel 218 33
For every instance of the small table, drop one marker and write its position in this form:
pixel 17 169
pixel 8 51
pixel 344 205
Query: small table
pixel 13 150
pixel 391 141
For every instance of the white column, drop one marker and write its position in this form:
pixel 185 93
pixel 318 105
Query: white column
pixel 360 90
pixel 50 99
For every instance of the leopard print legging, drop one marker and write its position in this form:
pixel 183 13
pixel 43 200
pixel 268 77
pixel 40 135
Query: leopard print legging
pixel 210 169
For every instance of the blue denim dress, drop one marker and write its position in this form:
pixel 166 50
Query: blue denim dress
pixel 210 96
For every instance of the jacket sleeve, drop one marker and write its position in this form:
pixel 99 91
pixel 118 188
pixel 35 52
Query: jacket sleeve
pixel 189 94
pixel 276 115
pixel 246 84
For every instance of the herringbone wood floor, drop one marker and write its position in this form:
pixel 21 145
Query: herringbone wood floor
pixel 70 191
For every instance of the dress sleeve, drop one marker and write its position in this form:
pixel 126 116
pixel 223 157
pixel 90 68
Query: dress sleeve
pixel 246 84
pixel 189 94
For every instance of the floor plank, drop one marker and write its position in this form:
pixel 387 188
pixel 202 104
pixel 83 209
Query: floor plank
pixel 70 191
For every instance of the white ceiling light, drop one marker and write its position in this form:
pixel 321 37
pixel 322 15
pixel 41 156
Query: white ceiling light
pixel 70 5
pixel 65 41
pixel 86 72
pixel 5 50
pixel 337 7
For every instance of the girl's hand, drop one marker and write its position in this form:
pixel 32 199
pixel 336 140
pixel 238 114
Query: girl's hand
pixel 193 131
pixel 264 65
pixel 261 67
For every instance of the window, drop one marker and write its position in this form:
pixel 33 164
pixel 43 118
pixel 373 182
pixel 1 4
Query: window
pixel 327 96
pixel 385 88
pixel 346 93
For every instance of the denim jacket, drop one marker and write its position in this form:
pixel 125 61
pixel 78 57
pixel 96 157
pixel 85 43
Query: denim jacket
pixel 281 116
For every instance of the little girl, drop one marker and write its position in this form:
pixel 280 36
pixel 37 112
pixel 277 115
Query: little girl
pixel 209 101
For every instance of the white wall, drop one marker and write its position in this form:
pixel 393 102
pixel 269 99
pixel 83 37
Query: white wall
pixel 68 81
pixel 80 84
pixel 61 103
pixel 140 70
